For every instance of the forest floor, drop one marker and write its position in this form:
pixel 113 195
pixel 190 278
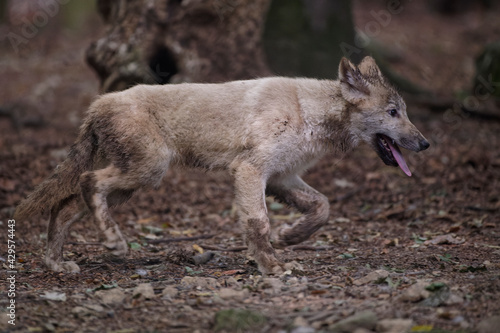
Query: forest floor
pixel 398 254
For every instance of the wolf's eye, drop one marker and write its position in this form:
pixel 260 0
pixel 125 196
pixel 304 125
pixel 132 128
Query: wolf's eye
pixel 393 112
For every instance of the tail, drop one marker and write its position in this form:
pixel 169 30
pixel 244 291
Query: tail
pixel 64 180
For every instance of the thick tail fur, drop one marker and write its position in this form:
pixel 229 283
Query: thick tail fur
pixel 64 181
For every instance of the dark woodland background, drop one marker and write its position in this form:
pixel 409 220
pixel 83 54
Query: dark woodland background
pixel 419 254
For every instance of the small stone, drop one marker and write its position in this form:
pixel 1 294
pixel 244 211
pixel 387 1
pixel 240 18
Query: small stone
pixel 394 325
pixel 415 292
pixel 144 291
pixel 204 283
pixel 203 258
pixel 229 293
pixel 489 325
pixel 80 311
pixel 94 307
pixel 272 285
pixel 454 299
pixel 54 296
pixel 231 282
pixel 113 296
pixel 372 277
pixel 365 319
pixel 170 292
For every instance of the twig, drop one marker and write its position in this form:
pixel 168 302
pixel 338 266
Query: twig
pixel 178 239
pixel 310 248
pixel 153 241
pixel 230 249
pixel 481 209
pixel 86 243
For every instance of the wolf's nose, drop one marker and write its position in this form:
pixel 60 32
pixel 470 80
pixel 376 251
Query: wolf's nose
pixel 424 144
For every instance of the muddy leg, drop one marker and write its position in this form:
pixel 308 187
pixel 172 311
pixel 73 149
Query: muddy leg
pixel 252 211
pixel 59 225
pixel 314 205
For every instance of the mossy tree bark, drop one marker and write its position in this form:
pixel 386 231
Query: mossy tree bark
pixel 166 41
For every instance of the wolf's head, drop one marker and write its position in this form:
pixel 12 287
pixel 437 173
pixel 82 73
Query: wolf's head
pixel 378 113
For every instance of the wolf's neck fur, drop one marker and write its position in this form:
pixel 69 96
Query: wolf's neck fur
pixel 328 113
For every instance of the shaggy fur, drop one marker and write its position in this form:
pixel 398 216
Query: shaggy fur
pixel 265 132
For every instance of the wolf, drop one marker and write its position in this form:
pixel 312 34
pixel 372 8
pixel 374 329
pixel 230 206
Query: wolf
pixel 266 132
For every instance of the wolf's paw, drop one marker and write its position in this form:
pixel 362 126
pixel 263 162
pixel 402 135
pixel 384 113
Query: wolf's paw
pixel 118 249
pixel 279 238
pixel 63 266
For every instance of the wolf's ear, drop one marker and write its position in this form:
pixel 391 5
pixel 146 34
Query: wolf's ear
pixel 368 67
pixel 353 84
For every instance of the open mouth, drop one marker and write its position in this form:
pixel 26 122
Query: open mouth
pixel 389 152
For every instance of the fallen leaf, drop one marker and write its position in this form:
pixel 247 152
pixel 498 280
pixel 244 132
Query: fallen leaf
pixel 445 239
pixel 134 246
pixel 183 232
pixel 232 272
pixel 147 220
pixel 198 248
pixel 422 328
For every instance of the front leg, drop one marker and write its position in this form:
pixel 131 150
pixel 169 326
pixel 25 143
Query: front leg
pixel 250 200
pixel 293 191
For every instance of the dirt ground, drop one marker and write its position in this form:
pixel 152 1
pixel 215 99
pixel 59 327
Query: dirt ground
pixel 399 253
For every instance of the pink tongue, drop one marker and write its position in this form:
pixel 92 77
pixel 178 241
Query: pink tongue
pixel 399 157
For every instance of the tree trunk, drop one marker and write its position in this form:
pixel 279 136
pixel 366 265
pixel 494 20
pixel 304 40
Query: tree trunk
pixel 304 37
pixel 164 41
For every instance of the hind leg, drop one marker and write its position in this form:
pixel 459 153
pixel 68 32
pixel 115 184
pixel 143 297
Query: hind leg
pixel 59 225
pixel 114 184
pixel 96 186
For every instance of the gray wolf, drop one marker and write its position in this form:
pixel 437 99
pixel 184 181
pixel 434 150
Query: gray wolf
pixel 265 132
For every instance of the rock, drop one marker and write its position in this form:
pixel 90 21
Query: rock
pixel 416 292
pixel 394 325
pixel 272 285
pixel 372 277
pixel 170 292
pixel 365 319
pixel 454 299
pixel 195 281
pixel 113 296
pixel 94 307
pixel 203 258
pixel 231 282
pixel 86 310
pixel 230 293
pixel 489 325
pixel 80 311
pixel 54 296
pixel 144 291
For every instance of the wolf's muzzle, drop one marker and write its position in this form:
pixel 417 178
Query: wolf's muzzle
pixel 423 144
